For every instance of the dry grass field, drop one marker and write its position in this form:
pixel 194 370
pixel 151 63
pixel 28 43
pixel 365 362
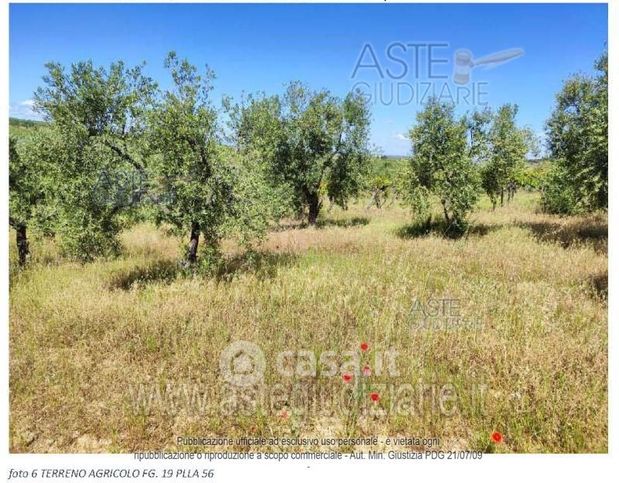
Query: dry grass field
pixel 123 355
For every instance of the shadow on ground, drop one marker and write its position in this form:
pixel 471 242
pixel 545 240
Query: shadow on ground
pixel 343 223
pixel 262 264
pixel 581 232
pixel 442 229
pixel 160 271
pixel 323 223
pixel 599 284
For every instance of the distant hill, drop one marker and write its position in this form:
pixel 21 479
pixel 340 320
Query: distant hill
pixel 22 127
pixel 392 156
pixel 14 121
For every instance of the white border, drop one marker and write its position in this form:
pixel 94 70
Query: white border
pixel 503 468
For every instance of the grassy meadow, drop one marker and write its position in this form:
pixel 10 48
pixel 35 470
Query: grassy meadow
pixel 122 355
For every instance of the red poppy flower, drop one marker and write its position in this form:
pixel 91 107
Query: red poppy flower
pixel 374 396
pixel 347 377
pixel 367 371
pixel 364 346
pixel 497 437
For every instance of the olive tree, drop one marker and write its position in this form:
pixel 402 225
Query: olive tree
pixel 578 141
pixel 202 188
pixel 441 167
pixel 97 116
pixel 25 193
pixel 313 143
pixel 255 131
pixel 34 157
pixel 506 153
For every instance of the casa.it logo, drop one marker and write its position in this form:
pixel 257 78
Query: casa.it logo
pixel 242 364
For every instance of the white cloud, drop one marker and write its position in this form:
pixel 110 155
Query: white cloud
pixel 400 137
pixel 24 110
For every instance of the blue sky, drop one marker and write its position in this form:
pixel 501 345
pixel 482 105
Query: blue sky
pixel 262 47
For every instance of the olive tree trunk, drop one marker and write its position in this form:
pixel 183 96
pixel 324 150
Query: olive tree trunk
pixel 23 249
pixel 194 239
pixel 313 201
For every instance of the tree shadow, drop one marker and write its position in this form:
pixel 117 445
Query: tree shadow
pixel 291 224
pixel 587 232
pixel 160 271
pixel 442 229
pixel 599 284
pixel 322 223
pixel 260 263
pixel 343 223
pixel 482 229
